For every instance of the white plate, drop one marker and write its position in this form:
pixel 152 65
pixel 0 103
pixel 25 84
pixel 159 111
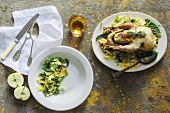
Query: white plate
pixel 161 48
pixel 77 84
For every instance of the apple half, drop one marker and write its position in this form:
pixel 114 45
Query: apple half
pixel 15 80
pixel 22 93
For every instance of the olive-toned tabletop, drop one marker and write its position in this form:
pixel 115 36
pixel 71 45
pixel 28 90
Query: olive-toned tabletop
pixel 146 91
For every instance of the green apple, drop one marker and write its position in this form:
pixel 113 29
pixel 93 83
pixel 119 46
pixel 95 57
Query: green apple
pixel 15 80
pixel 22 93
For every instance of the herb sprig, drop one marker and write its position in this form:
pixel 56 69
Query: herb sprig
pixel 154 27
pixel 104 35
pixel 134 34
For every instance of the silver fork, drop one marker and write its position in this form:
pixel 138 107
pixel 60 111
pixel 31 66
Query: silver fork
pixel 18 53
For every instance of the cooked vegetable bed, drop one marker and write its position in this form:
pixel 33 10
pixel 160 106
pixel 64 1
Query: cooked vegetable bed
pixel 129 39
pixel 54 71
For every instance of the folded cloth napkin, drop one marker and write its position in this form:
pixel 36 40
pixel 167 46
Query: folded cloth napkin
pixel 50 35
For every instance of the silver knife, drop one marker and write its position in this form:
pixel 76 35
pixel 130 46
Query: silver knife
pixel 19 36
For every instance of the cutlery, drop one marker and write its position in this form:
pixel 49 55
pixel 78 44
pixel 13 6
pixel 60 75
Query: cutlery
pixel 19 36
pixel 34 32
pixel 18 53
pixel 145 60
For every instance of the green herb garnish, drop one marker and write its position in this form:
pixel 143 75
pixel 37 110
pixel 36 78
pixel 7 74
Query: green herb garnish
pixel 133 20
pixel 153 27
pixel 130 33
pixel 141 54
pixel 134 34
pixel 140 33
pixel 104 35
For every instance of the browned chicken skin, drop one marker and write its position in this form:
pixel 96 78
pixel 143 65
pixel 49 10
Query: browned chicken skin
pixel 123 38
pixel 126 25
pixel 131 44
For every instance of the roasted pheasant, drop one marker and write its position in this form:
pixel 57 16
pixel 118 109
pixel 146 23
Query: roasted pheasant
pixel 124 40
pixel 129 36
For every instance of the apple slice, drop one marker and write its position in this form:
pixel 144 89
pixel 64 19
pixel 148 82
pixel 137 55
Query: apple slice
pixel 22 93
pixel 15 80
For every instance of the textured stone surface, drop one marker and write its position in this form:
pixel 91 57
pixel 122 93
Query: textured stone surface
pixel 141 92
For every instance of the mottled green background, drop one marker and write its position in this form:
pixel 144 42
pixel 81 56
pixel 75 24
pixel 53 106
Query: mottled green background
pixel 141 92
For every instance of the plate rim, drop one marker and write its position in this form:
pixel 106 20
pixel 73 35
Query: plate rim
pixel 130 13
pixel 89 74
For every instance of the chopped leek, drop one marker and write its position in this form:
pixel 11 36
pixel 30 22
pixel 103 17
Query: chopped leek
pixel 53 72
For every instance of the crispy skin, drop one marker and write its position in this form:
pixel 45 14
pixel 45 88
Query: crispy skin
pixel 138 43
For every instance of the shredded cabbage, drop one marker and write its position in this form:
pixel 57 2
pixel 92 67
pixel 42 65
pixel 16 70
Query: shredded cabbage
pixel 54 71
pixel 123 18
